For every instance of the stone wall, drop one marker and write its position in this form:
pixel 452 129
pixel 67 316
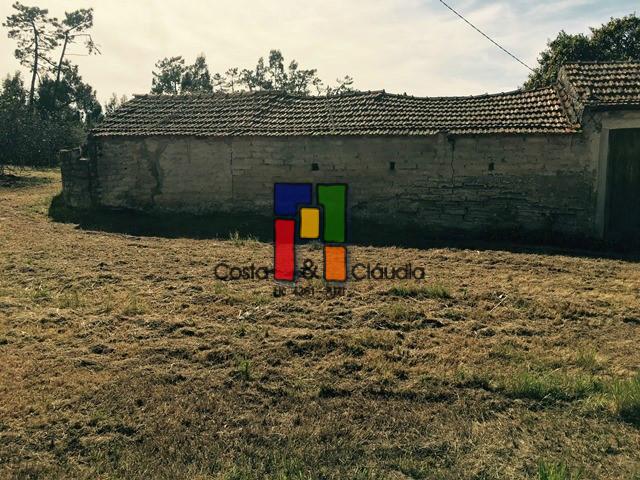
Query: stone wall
pixel 76 178
pixel 468 183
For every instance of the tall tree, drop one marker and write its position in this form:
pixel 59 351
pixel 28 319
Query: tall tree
pixel 254 79
pixel 618 39
pixel 196 78
pixel 32 139
pixel 172 76
pixel 218 82
pixel 33 31
pixel 71 98
pixel 60 109
pixel 343 85
pixel 82 97
pixel 272 75
pixel 299 81
pixel 169 76
pixel 293 79
pixel 276 76
pixel 13 111
pixel 114 103
pixel 231 79
pixel 73 28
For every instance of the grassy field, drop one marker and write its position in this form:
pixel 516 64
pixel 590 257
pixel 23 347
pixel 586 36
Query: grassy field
pixel 122 357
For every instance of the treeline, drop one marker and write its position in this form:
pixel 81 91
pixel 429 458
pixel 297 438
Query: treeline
pixel 55 108
pixel 52 108
pixel 616 40
pixel 33 136
pixel 173 76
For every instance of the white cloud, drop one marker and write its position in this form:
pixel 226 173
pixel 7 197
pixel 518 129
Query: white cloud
pixel 412 46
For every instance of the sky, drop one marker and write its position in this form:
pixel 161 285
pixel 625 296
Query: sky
pixel 417 47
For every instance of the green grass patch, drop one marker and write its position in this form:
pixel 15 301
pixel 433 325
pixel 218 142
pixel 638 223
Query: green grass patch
pixel 620 397
pixel 535 385
pixel 549 385
pixel 625 398
pixel 244 370
pixel 588 360
pixel 436 291
pixel 556 471
pixel 40 294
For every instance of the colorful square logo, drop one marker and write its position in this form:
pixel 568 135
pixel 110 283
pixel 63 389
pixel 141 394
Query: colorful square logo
pixel 296 216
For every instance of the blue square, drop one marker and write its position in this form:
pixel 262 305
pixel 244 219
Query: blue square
pixel 287 197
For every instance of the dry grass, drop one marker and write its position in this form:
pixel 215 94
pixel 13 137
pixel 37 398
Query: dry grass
pixel 123 357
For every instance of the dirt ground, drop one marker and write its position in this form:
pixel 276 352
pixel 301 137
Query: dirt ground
pixel 124 357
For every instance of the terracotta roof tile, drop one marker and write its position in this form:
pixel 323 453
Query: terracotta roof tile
pixel 597 84
pixel 545 110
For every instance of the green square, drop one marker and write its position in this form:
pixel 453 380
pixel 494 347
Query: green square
pixel 333 198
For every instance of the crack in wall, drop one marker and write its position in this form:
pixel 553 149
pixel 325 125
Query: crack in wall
pixel 153 164
pixel 452 142
pixel 231 176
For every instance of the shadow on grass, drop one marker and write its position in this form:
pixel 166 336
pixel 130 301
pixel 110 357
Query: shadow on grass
pixel 9 180
pixel 218 225
pixel 361 232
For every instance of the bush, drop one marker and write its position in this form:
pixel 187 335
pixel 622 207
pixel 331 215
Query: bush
pixel 32 137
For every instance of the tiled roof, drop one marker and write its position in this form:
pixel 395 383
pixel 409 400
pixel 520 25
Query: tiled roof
pixel 596 84
pixel 545 110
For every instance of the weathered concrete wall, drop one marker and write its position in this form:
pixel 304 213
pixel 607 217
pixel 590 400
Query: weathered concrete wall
pixel 466 183
pixel 165 174
pixel 490 182
pixel 76 178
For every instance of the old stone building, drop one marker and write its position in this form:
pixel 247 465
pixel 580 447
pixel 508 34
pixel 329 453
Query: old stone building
pixel 563 159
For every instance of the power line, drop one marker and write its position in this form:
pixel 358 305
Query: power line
pixel 488 37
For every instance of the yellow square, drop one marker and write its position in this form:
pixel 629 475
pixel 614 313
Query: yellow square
pixel 309 223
